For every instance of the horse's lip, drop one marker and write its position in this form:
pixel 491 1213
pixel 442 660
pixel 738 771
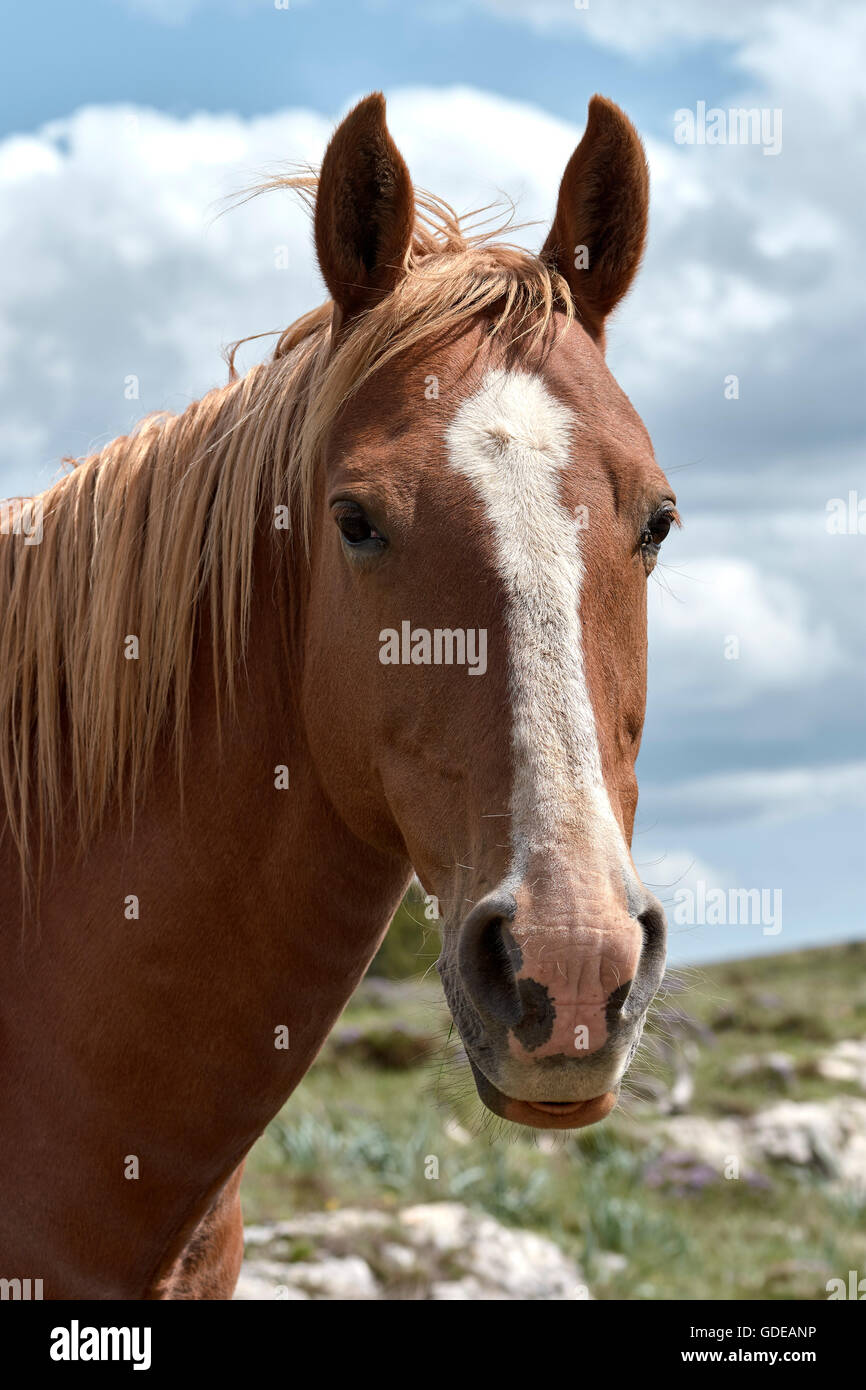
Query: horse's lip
pixel 561 1107
pixel 541 1114
pixel 544 1115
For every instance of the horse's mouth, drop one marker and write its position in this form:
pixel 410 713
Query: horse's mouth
pixel 540 1114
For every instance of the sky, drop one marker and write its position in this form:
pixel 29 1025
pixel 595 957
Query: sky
pixel 126 124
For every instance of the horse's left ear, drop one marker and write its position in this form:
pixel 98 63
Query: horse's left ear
pixel 599 230
pixel 365 210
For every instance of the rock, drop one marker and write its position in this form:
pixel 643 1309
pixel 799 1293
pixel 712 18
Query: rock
pixel 347 1278
pixel 504 1262
pixel 258 1235
pixel 827 1136
pixel 464 1291
pixel 705 1140
pixel 844 1062
pixel 264 1280
pixel 442 1251
pixel 681 1173
pixel 399 1258
pixel 776 1068
pixel 608 1263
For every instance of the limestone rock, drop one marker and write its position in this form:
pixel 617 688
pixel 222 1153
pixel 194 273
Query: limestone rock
pixel 441 1251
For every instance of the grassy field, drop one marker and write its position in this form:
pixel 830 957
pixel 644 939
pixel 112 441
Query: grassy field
pixel 390 1090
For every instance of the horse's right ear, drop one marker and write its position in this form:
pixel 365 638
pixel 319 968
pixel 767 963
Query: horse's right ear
pixel 365 211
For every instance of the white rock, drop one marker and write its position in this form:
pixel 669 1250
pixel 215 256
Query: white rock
pixel 710 1141
pixel 334 1226
pixel 347 1277
pixel 264 1281
pixel 829 1135
pixel 439 1250
pixel 845 1062
pixel 780 1064
pixel 507 1263
pixel 464 1291
pixel 399 1259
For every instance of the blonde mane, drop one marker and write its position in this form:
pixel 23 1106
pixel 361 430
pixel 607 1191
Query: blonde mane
pixel 138 538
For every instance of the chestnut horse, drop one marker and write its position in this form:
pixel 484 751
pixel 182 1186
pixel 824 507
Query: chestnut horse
pixel 243 700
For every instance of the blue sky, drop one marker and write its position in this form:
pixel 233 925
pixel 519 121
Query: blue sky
pixel 124 122
pixel 251 59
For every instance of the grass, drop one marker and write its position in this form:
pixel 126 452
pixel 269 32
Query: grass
pixel 409 1128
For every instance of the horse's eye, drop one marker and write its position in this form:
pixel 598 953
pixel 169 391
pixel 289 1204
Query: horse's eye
pixel 355 528
pixel 657 527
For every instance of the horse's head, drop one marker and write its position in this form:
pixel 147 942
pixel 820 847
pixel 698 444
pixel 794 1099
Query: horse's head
pixel 475 663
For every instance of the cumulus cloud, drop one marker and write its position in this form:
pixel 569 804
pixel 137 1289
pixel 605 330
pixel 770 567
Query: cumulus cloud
pixel 666 872
pixel 765 796
pixel 120 281
pixel 742 632
pixel 768 38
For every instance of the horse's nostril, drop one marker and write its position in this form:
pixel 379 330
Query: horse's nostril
pixel 654 926
pixel 616 999
pixel 488 959
pixel 651 966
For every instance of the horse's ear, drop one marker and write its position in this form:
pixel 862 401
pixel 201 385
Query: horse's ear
pixel 599 230
pixel 365 210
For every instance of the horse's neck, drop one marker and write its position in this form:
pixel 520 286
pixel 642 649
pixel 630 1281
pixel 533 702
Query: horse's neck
pixel 175 1035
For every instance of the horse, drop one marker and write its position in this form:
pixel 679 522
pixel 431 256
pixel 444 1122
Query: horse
pixel 243 705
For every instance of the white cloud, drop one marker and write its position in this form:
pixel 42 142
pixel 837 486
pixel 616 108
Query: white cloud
pixel 635 27
pixel 115 263
pixel 810 52
pixel 765 796
pixel 732 632
pixel 666 872
pixel 771 40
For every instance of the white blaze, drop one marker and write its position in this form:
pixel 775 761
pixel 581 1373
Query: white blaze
pixel 512 439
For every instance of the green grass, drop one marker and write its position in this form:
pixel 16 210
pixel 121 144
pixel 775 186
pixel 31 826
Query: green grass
pixel 358 1133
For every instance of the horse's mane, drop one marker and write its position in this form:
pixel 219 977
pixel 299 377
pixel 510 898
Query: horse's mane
pixel 138 537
